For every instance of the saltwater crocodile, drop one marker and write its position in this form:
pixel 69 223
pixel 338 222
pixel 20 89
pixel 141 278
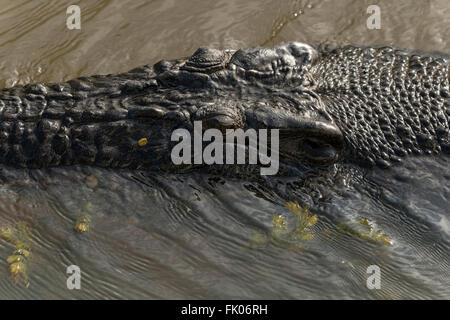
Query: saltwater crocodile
pixel 366 105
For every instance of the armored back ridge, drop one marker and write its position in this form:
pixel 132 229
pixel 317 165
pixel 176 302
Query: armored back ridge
pixel 388 103
pixel 365 105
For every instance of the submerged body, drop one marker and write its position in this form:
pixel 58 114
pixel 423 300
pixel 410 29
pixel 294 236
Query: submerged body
pixel 364 105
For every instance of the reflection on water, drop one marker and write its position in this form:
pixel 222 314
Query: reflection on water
pixel 199 236
pixel 150 235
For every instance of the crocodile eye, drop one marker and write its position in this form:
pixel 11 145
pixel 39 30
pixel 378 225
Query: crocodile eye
pixel 318 151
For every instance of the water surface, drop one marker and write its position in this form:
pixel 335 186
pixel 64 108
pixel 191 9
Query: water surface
pixel 200 236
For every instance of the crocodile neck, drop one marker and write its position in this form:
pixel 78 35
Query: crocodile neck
pixel 100 120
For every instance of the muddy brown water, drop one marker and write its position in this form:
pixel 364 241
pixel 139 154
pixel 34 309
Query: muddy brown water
pixel 194 236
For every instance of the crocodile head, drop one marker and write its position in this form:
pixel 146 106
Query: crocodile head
pixel 259 88
pixel 372 106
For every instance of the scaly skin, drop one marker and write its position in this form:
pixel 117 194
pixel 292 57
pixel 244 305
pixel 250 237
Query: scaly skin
pixel 364 105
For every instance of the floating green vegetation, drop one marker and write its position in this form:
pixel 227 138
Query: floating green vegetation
pixel 84 221
pixel 282 232
pixel 82 224
pixel 279 225
pixel 293 238
pixel 19 236
pixel 364 229
pixel 305 220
